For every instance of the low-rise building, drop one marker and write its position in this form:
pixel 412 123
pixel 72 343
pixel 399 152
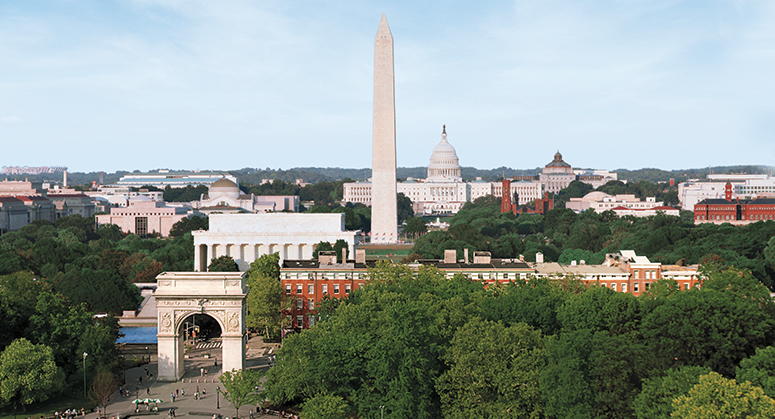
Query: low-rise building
pixel 144 217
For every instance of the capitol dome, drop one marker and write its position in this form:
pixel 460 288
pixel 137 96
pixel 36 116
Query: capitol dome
pixel 224 187
pixel 444 162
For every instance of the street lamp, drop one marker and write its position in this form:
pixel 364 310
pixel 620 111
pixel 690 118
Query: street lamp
pixel 149 354
pixel 381 412
pixel 84 374
pixel 217 398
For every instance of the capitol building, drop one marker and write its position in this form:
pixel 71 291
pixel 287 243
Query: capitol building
pixel 444 191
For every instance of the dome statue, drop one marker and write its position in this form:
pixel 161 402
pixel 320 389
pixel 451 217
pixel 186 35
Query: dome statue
pixel 444 164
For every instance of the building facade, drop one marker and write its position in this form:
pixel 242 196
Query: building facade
pixel 144 217
pixel 246 237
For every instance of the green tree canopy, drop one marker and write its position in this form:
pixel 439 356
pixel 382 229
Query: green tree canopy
pixel 28 373
pixel 223 263
pixel 241 387
pixel 716 397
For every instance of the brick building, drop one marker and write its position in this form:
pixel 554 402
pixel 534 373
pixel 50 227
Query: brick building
pixel 734 210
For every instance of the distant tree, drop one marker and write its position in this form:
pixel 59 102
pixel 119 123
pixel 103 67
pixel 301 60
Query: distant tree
pixel 223 264
pixel 28 374
pixel 321 247
pixel 189 224
pixel 405 209
pixel 186 194
pixel 241 388
pixel 415 225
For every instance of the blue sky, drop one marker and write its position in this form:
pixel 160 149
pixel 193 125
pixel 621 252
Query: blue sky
pixel 125 85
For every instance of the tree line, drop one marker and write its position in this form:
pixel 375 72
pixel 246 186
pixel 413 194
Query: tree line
pixel 420 345
pixel 563 236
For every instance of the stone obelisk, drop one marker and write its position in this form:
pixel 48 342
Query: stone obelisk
pixel 384 218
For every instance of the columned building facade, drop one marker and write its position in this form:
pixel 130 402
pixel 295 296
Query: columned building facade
pixel 246 237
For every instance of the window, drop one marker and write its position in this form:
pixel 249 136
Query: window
pixel 686 287
pixel 311 321
pixel 634 287
pixel 299 303
pixel 311 304
pixel 287 288
pixel 141 226
pixel 635 274
pixel 624 287
pixel 310 289
pixel 613 286
pixel 299 321
pixel 648 284
pixel 324 288
pixel 298 288
pixel 336 288
pixel 347 289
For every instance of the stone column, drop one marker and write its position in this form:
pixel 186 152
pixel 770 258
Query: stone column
pixel 197 258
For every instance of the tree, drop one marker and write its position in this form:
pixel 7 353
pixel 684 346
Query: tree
pixel 28 373
pixel 716 397
pixel 759 370
pixel 404 209
pixel 324 406
pixel 189 224
pixel 267 265
pixel 265 304
pixel 223 264
pixel 655 401
pixel 493 372
pixel 415 225
pixel 102 388
pixel 241 387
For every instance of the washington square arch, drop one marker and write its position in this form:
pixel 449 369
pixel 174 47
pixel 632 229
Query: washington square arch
pixel 182 295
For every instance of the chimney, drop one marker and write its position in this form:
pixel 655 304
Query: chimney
pixel 327 257
pixel 573 263
pixel 539 257
pixel 582 262
pixel 450 256
pixel 360 256
pixel 465 255
pixel 482 257
pixel 344 255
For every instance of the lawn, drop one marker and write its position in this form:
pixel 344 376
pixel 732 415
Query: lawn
pixel 48 407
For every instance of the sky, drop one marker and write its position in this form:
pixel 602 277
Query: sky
pixel 101 85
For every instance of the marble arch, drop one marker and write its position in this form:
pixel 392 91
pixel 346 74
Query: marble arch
pixel 221 295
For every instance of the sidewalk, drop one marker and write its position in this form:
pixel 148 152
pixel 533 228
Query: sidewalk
pixel 184 405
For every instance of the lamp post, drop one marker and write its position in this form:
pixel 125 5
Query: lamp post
pixel 149 354
pixel 382 412
pixel 84 374
pixel 217 398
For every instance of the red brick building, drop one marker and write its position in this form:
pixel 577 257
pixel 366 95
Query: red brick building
pixel 734 210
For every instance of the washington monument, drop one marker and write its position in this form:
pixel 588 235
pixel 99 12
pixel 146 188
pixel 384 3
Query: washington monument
pixel 384 218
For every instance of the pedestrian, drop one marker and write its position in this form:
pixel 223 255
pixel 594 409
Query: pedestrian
pixel 148 391
pixel 197 389
pixel 182 391
pixel 172 397
pixel 140 378
pixel 201 372
pixel 177 392
pixel 215 362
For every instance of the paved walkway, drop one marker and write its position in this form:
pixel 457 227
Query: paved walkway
pixel 186 404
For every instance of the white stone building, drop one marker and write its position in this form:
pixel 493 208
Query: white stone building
pixel 225 197
pixel 627 204
pixel 443 191
pixel 246 237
